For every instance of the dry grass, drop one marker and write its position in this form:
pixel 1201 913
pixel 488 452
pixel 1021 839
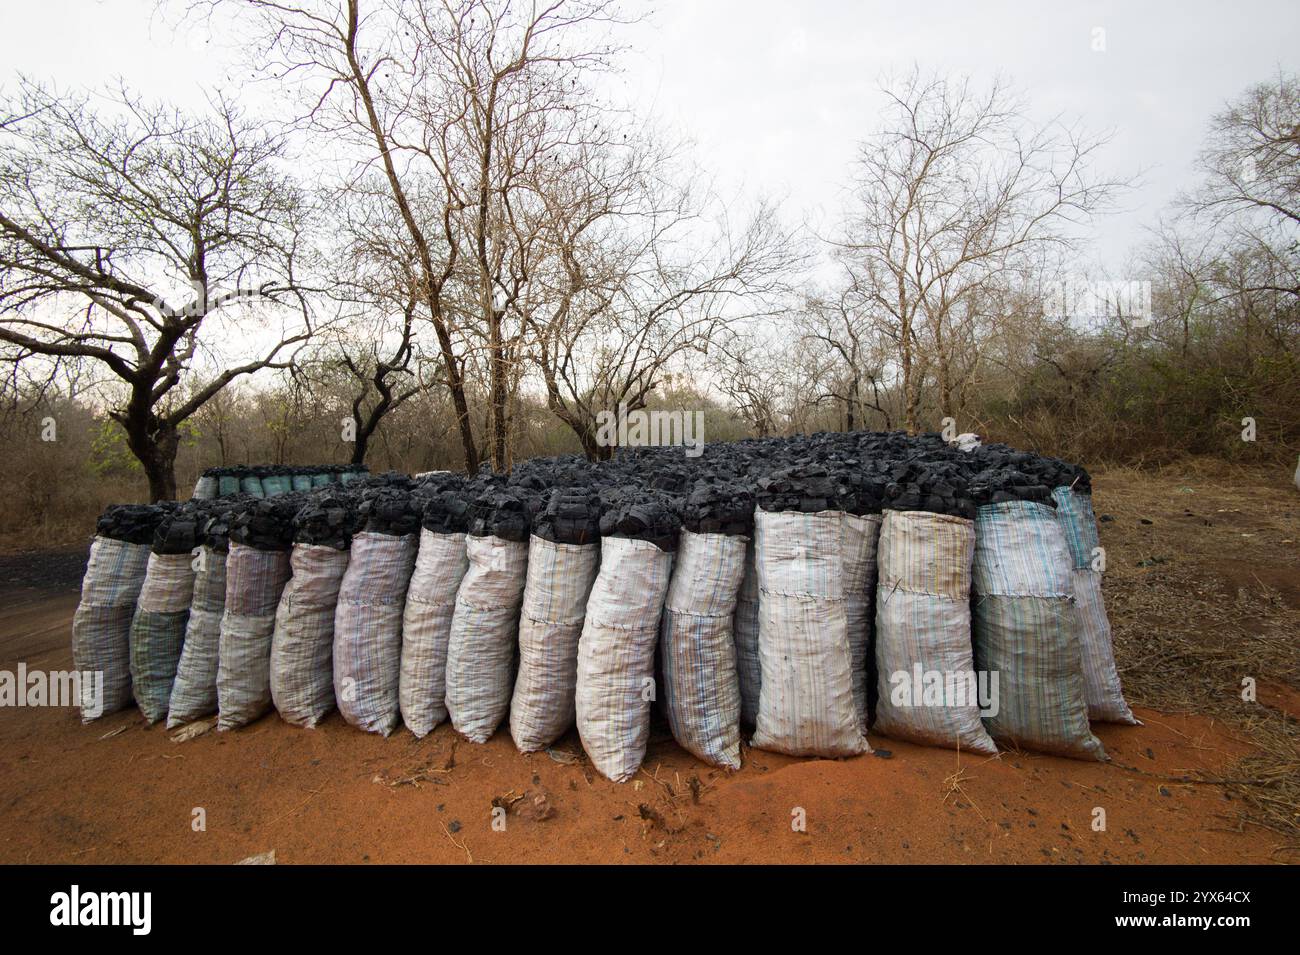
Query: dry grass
pixel 1205 597
pixel 55 510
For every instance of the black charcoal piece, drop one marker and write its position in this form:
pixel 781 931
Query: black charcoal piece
pixel 266 523
pixel 570 516
pixel 133 523
pixel 328 518
pixel 181 529
pixel 386 506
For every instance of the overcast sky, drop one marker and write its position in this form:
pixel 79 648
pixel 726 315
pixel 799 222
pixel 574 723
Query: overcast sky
pixel 776 93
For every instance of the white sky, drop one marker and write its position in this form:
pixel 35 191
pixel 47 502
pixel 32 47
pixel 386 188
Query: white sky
pixel 776 93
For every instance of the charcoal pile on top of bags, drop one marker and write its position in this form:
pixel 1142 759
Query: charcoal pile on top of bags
pixel 799 592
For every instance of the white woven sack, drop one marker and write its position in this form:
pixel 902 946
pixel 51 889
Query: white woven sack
pixel 558 584
pixel 698 650
pixel 616 654
pixel 101 626
pixel 923 632
pixel 168 584
pixel 254 581
pixel 805 705
pixel 1101 682
pixel 1025 630
pixel 368 630
pixel 205 488
pixel 302 645
pixel 440 566
pixel 158 631
pixel 194 693
pixel 1100 675
pixel 484 633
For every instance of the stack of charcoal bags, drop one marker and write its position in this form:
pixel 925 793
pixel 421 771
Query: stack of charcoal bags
pixel 1075 568
pixel 811 587
pixel 320 623
pixel 179 604
pixel 270 480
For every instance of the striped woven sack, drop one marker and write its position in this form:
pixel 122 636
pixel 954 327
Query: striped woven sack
pixel 558 583
pixel 616 655
pixel 252 484
pixel 1026 631
pixel 158 631
pixel 302 644
pixel 861 535
pixel 698 649
pixel 1100 675
pixel 194 692
pixel 440 566
pixel 484 633
pixel 749 671
pixel 205 488
pixel 927 680
pixel 101 626
pixel 274 484
pixel 805 704
pixel 254 581
pixel 368 630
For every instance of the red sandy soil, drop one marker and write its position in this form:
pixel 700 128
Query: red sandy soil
pixel 118 791
pixel 68 794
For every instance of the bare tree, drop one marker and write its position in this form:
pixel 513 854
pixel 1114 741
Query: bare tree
pixel 851 368
pixel 1252 157
pixel 132 236
pixel 1185 264
pixel 371 362
pixel 373 356
pixel 458 102
pixel 1251 163
pixel 642 270
pixel 752 374
pixel 949 197
pixel 520 91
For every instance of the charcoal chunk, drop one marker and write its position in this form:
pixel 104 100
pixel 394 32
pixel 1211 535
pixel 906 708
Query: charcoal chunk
pixel 133 523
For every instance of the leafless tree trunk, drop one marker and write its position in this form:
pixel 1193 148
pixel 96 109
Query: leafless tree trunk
pixel 124 236
pixel 837 333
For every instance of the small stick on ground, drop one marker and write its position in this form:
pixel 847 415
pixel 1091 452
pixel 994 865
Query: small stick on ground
pixel 294 810
pixel 463 846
